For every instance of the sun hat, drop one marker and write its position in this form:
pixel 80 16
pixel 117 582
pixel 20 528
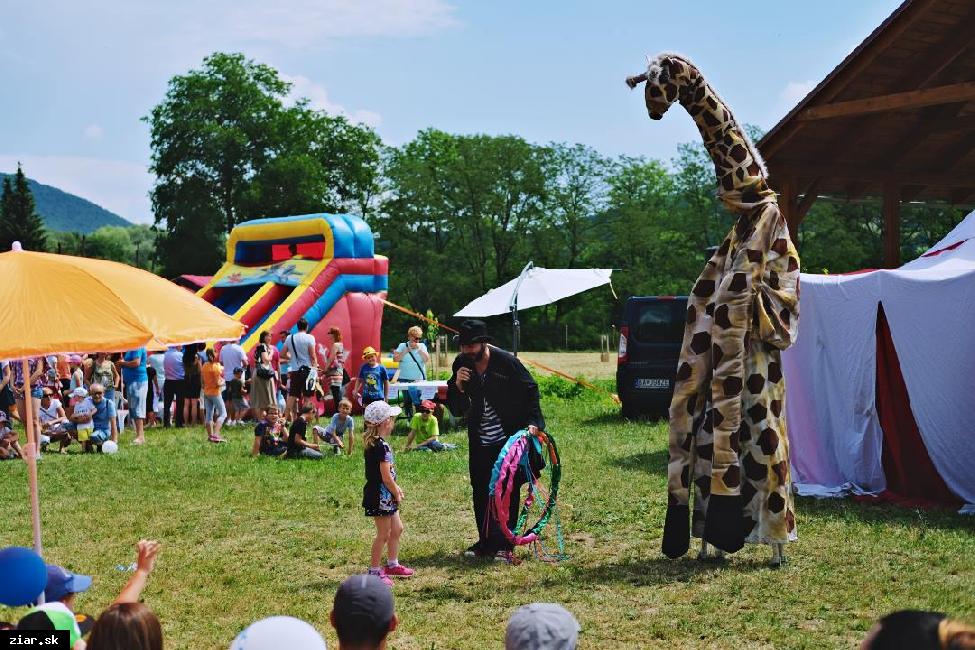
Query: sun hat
pixel 74 358
pixel 369 351
pixel 541 625
pixel 79 392
pixel 362 607
pixel 61 582
pixel 473 331
pixel 379 412
pixel 279 632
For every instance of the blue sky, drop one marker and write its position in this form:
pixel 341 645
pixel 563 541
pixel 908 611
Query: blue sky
pixel 79 75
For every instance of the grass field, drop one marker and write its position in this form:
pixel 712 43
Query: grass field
pixel 246 538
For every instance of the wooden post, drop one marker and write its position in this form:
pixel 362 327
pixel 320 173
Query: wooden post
pixel 31 452
pixel 788 200
pixel 892 225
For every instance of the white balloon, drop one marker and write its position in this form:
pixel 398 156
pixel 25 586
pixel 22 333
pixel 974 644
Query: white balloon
pixel 279 632
pixel 109 447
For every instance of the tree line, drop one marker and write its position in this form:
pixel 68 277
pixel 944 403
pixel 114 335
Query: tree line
pixel 460 214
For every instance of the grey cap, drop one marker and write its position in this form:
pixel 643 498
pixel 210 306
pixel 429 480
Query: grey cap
pixel 541 626
pixel 363 609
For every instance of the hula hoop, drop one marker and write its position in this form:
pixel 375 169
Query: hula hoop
pixel 513 459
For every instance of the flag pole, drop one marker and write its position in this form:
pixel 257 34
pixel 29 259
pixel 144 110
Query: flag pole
pixel 513 308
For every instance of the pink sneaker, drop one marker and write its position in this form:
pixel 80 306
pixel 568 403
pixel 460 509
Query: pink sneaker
pixel 398 571
pixel 385 578
pixel 216 439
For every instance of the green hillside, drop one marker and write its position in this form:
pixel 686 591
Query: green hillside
pixel 67 212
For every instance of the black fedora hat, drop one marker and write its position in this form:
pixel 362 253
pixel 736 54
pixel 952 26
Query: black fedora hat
pixel 473 331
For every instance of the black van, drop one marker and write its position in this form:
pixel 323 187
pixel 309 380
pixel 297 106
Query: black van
pixel 651 334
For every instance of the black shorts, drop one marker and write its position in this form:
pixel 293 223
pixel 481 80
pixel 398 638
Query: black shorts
pixel 192 387
pixel 296 383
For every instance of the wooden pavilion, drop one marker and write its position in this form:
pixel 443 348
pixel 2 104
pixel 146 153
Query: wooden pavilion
pixel 894 120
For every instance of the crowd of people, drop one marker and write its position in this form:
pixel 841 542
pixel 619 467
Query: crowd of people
pixel 81 398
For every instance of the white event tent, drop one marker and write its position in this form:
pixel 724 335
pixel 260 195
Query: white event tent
pixel 838 395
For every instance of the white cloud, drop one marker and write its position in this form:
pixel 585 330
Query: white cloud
pixel 94 132
pixel 117 185
pixel 796 91
pixel 303 87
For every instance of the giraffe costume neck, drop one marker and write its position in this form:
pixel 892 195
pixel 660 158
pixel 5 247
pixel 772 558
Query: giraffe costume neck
pixel 728 436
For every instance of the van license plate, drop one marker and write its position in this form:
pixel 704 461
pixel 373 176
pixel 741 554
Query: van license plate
pixel 652 383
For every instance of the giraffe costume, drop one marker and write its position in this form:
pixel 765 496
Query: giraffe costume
pixel 727 419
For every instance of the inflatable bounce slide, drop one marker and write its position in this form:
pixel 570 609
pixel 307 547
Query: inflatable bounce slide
pixel 320 266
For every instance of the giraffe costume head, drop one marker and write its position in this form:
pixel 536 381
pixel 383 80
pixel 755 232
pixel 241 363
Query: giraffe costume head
pixel 728 438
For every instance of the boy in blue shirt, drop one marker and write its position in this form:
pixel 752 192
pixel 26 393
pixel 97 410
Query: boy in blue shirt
pixel 370 385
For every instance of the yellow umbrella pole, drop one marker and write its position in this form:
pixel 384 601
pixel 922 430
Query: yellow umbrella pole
pixel 31 452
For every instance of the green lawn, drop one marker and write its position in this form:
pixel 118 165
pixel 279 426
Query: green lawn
pixel 245 538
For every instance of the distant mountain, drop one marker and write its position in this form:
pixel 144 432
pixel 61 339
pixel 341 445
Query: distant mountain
pixel 63 211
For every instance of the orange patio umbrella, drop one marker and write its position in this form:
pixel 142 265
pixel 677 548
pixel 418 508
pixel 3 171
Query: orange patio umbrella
pixel 63 304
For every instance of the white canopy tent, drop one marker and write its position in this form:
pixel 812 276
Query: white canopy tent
pixel 535 287
pixel 834 429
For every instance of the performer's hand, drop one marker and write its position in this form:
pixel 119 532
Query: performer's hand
pixel 463 376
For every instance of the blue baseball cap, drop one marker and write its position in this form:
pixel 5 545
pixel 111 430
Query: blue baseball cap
pixel 61 583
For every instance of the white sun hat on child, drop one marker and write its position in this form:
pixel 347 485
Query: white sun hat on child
pixel 379 412
pixel 279 632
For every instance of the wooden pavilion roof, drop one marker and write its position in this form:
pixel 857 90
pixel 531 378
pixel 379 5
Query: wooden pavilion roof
pixel 895 119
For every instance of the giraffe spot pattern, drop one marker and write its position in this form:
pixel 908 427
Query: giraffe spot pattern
pixel 793 264
pixel 754 470
pixel 780 246
pixel 790 520
pixel 738 282
pixel 705 451
pixel 704 288
pixel 775 407
pixel 773 280
pixel 700 343
pixel 774 372
pixel 757 413
pixel 732 386
pixel 717 417
pixel 691 314
pixel 732 477
pixel 703 484
pixel 721 318
pixel 684 371
pixel 781 472
pixel 755 383
pixel 709 309
pixel 755 257
pixel 775 503
pixel 768 441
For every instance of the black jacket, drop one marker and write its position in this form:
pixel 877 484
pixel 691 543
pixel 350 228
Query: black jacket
pixel 508 386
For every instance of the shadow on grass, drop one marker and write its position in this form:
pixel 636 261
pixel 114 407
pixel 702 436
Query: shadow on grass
pixel 614 418
pixel 877 513
pixel 651 462
pixel 661 571
pixel 450 559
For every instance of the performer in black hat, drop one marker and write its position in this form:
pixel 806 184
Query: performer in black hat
pixel 499 397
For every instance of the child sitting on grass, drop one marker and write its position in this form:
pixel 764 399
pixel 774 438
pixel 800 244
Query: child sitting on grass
pixel 268 434
pixel 381 495
pixel 9 443
pixel 425 424
pixel 340 424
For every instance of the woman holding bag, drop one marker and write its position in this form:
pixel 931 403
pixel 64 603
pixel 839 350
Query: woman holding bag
pixel 262 383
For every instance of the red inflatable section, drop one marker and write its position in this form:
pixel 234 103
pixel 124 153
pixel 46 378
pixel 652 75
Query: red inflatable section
pixel 352 308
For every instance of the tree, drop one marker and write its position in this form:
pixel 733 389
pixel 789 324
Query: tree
pixel 225 149
pixel 19 220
